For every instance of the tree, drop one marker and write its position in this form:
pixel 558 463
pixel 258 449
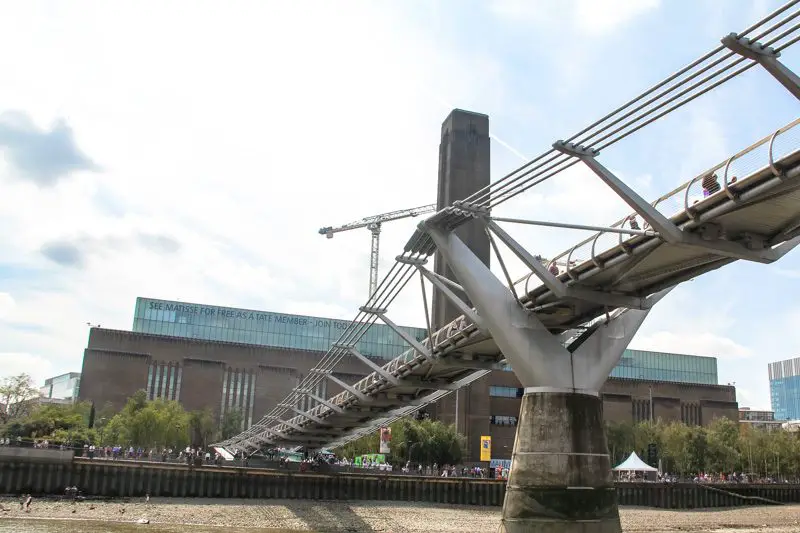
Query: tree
pixel 723 437
pixel 16 394
pixel 48 418
pixel 232 423
pixel 148 424
pixel 59 424
pixel 676 439
pixel 103 416
pixel 419 441
pixel 620 438
pixel 201 427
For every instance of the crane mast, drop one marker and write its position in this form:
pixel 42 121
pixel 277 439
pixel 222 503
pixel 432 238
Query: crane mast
pixel 373 224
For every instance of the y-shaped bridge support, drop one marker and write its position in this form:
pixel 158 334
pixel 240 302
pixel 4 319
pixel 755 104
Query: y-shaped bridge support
pixel 560 479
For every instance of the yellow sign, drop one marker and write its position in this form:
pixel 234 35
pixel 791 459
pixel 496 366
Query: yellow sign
pixel 486 448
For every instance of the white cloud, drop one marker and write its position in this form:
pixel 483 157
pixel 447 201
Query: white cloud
pixel 708 344
pixel 603 16
pixel 595 17
pixel 6 304
pixel 38 367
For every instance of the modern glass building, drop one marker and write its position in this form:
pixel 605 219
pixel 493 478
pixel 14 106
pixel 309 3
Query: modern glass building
pixel 263 328
pixel 655 366
pixel 63 387
pixel 784 388
pixel 661 366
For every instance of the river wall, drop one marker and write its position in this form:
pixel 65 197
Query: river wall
pixel 102 478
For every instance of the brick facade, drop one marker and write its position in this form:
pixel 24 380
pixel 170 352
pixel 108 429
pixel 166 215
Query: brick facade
pixel 116 363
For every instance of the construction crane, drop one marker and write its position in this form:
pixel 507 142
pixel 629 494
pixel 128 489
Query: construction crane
pixel 373 224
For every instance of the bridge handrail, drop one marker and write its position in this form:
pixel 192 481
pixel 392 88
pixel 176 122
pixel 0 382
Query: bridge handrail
pixel 686 189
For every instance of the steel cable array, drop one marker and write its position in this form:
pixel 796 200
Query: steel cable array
pixel 689 83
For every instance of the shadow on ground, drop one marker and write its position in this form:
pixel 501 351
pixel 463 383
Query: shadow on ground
pixel 335 517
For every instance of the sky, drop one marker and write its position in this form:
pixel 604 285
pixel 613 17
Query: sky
pixel 192 150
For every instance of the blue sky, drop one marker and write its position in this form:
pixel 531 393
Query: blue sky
pixel 187 150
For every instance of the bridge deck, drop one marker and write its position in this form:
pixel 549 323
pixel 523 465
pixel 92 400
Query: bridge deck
pixel 760 203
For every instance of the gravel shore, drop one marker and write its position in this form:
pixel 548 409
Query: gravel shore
pixel 396 517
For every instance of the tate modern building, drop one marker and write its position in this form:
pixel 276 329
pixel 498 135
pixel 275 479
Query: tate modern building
pixel 225 359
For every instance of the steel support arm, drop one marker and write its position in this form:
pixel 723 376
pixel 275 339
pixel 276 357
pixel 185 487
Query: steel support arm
pixel 664 226
pixel 382 372
pixel 558 287
pixel 286 423
pixel 311 417
pixel 536 355
pixel 349 388
pixel 602 349
pixel 666 229
pixel 563 225
pixel 411 341
pixel 460 304
pixel 765 56
pixel 326 403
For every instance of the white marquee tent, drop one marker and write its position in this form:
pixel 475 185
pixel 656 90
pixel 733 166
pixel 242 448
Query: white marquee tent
pixel 634 464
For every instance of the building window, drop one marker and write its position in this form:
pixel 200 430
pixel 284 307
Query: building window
pixel 238 394
pixel 641 411
pixel 506 392
pixel 171 381
pixel 224 394
pixel 502 420
pixel 156 382
pixel 251 399
pixel 178 384
pixel 691 414
pixel 150 381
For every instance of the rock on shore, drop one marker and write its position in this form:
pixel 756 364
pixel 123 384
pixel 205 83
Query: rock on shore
pixel 397 517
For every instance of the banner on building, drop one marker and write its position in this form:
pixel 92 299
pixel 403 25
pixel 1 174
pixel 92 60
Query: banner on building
pixel 386 438
pixel 486 448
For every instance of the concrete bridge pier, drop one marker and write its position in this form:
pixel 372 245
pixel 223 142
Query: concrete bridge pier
pixel 560 479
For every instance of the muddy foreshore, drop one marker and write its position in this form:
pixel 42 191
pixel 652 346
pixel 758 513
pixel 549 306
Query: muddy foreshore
pixel 398 517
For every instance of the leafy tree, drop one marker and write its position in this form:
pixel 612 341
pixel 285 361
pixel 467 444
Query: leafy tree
pixel 724 446
pixel 16 394
pixel 620 438
pixel 157 423
pixel 425 441
pixel 48 418
pixel 723 454
pixel 59 424
pixel 104 415
pixel 677 438
pixel 232 423
pixel 201 427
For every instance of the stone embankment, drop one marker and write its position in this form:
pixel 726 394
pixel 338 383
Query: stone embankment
pixel 327 516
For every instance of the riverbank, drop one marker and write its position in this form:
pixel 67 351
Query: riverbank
pixel 330 517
